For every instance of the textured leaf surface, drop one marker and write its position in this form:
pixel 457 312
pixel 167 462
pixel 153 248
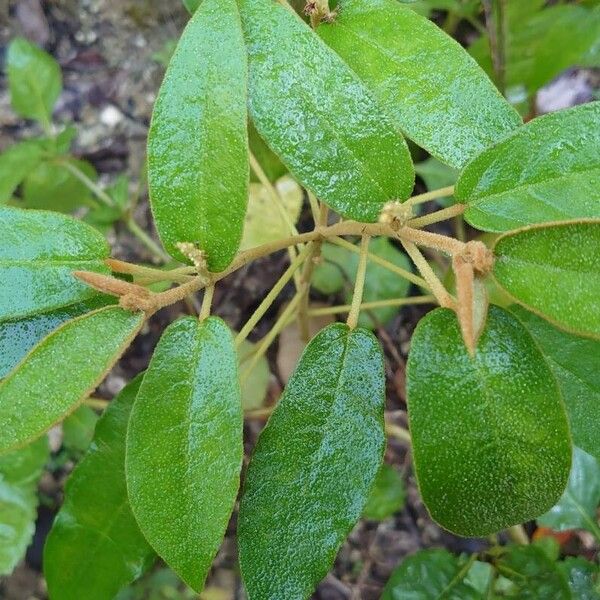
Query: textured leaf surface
pixel 19 474
pixel 554 271
pixel 548 170
pixel 428 575
pixel 447 106
pixel 38 252
pixel 314 464
pixel 198 140
pixel 184 445
pixel 34 79
pixel 15 164
pixel 575 362
pixel 318 117
pixel 61 371
pixel 490 436
pixel 533 575
pixel 264 223
pixel 95 543
pixel 387 496
pixel 19 336
pixel 576 508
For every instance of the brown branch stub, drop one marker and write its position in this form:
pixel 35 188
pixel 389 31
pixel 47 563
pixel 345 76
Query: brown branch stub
pixel 479 255
pixel 318 11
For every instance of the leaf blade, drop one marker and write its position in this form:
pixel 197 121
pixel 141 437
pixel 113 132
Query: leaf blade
pixel 199 195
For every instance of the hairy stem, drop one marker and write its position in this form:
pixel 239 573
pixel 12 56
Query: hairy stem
pixel 345 308
pixel 437 216
pixel 209 292
pixel 433 195
pixel 359 285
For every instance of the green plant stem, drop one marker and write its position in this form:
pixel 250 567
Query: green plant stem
pixel 437 216
pixel 345 308
pixel 359 285
pixel 146 240
pixel 209 292
pixel 395 431
pixel 382 262
pixel 97 403
pixel 91 185
pixel 267 302
pixel 314 206
pixel 150 274
pixel 432 195
pixel 266 342
pixel 518 534
pixel 439 291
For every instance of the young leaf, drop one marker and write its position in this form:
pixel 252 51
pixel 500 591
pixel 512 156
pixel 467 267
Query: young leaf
pixel 490 435
pixel 198 140
pixel 19 474
pixel 576 508
pixel 61 371
pixel 548 170
pixel 319 118
pixel 387 496
pixel 313 465
pixel 554 271
pixel 533 575
pixel 435 92
pixel 575 362
pixel 78 430
pixel 430 574
pixel 15 164
pixel 95 543
pixel 34 79
pixel 184 445
pixel 38 252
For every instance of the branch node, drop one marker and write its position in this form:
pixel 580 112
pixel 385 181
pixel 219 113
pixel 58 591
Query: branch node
pixel 396 214
pixel 478 255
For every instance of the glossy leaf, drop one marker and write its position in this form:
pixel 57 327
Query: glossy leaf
pixel 387 496
pixel 449 107
pixel 95 543
pixel 548 170
pixel 18 337
pixel 554 271
pixel 198 140
pixel 338 271
pixel 576 508
pixel 19 474
pixel 575 362
pixel 34 79
pixel 430 574
pixel 313 466
pixel 51 381
pixel 533 575
pixel 582 577
pixel 52 187
pixel 491 442
pixel 318 117
pixel 184 446
pixel 264 223
pixel 78 429
pixel 15 164
pixel 38 252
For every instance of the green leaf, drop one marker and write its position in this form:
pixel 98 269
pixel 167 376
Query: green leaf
pixel 430 574
pixel 38 252
pixel 78 429
pixel 387 496
pixel 548 170
pixel 490 436
pixel 184 445
pixel 319 118
pixel 34 79
pixel 263 222
pixel 339 268
pixel 192 5
pixel 313 466
pixel 435 92
pixel 19 474
pixel 582 577
pixel 19 336
pixel 50 186
pixel 15 164
pixel 254 387
pixel 576 508
pixel 51 381
pixel 533 575
pixel 268 160
pixel 575 362
pixel 198 140
pixel 554 271
pixel 95 543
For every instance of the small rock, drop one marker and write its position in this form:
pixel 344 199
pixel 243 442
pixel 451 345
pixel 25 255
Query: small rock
pixel 111 116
